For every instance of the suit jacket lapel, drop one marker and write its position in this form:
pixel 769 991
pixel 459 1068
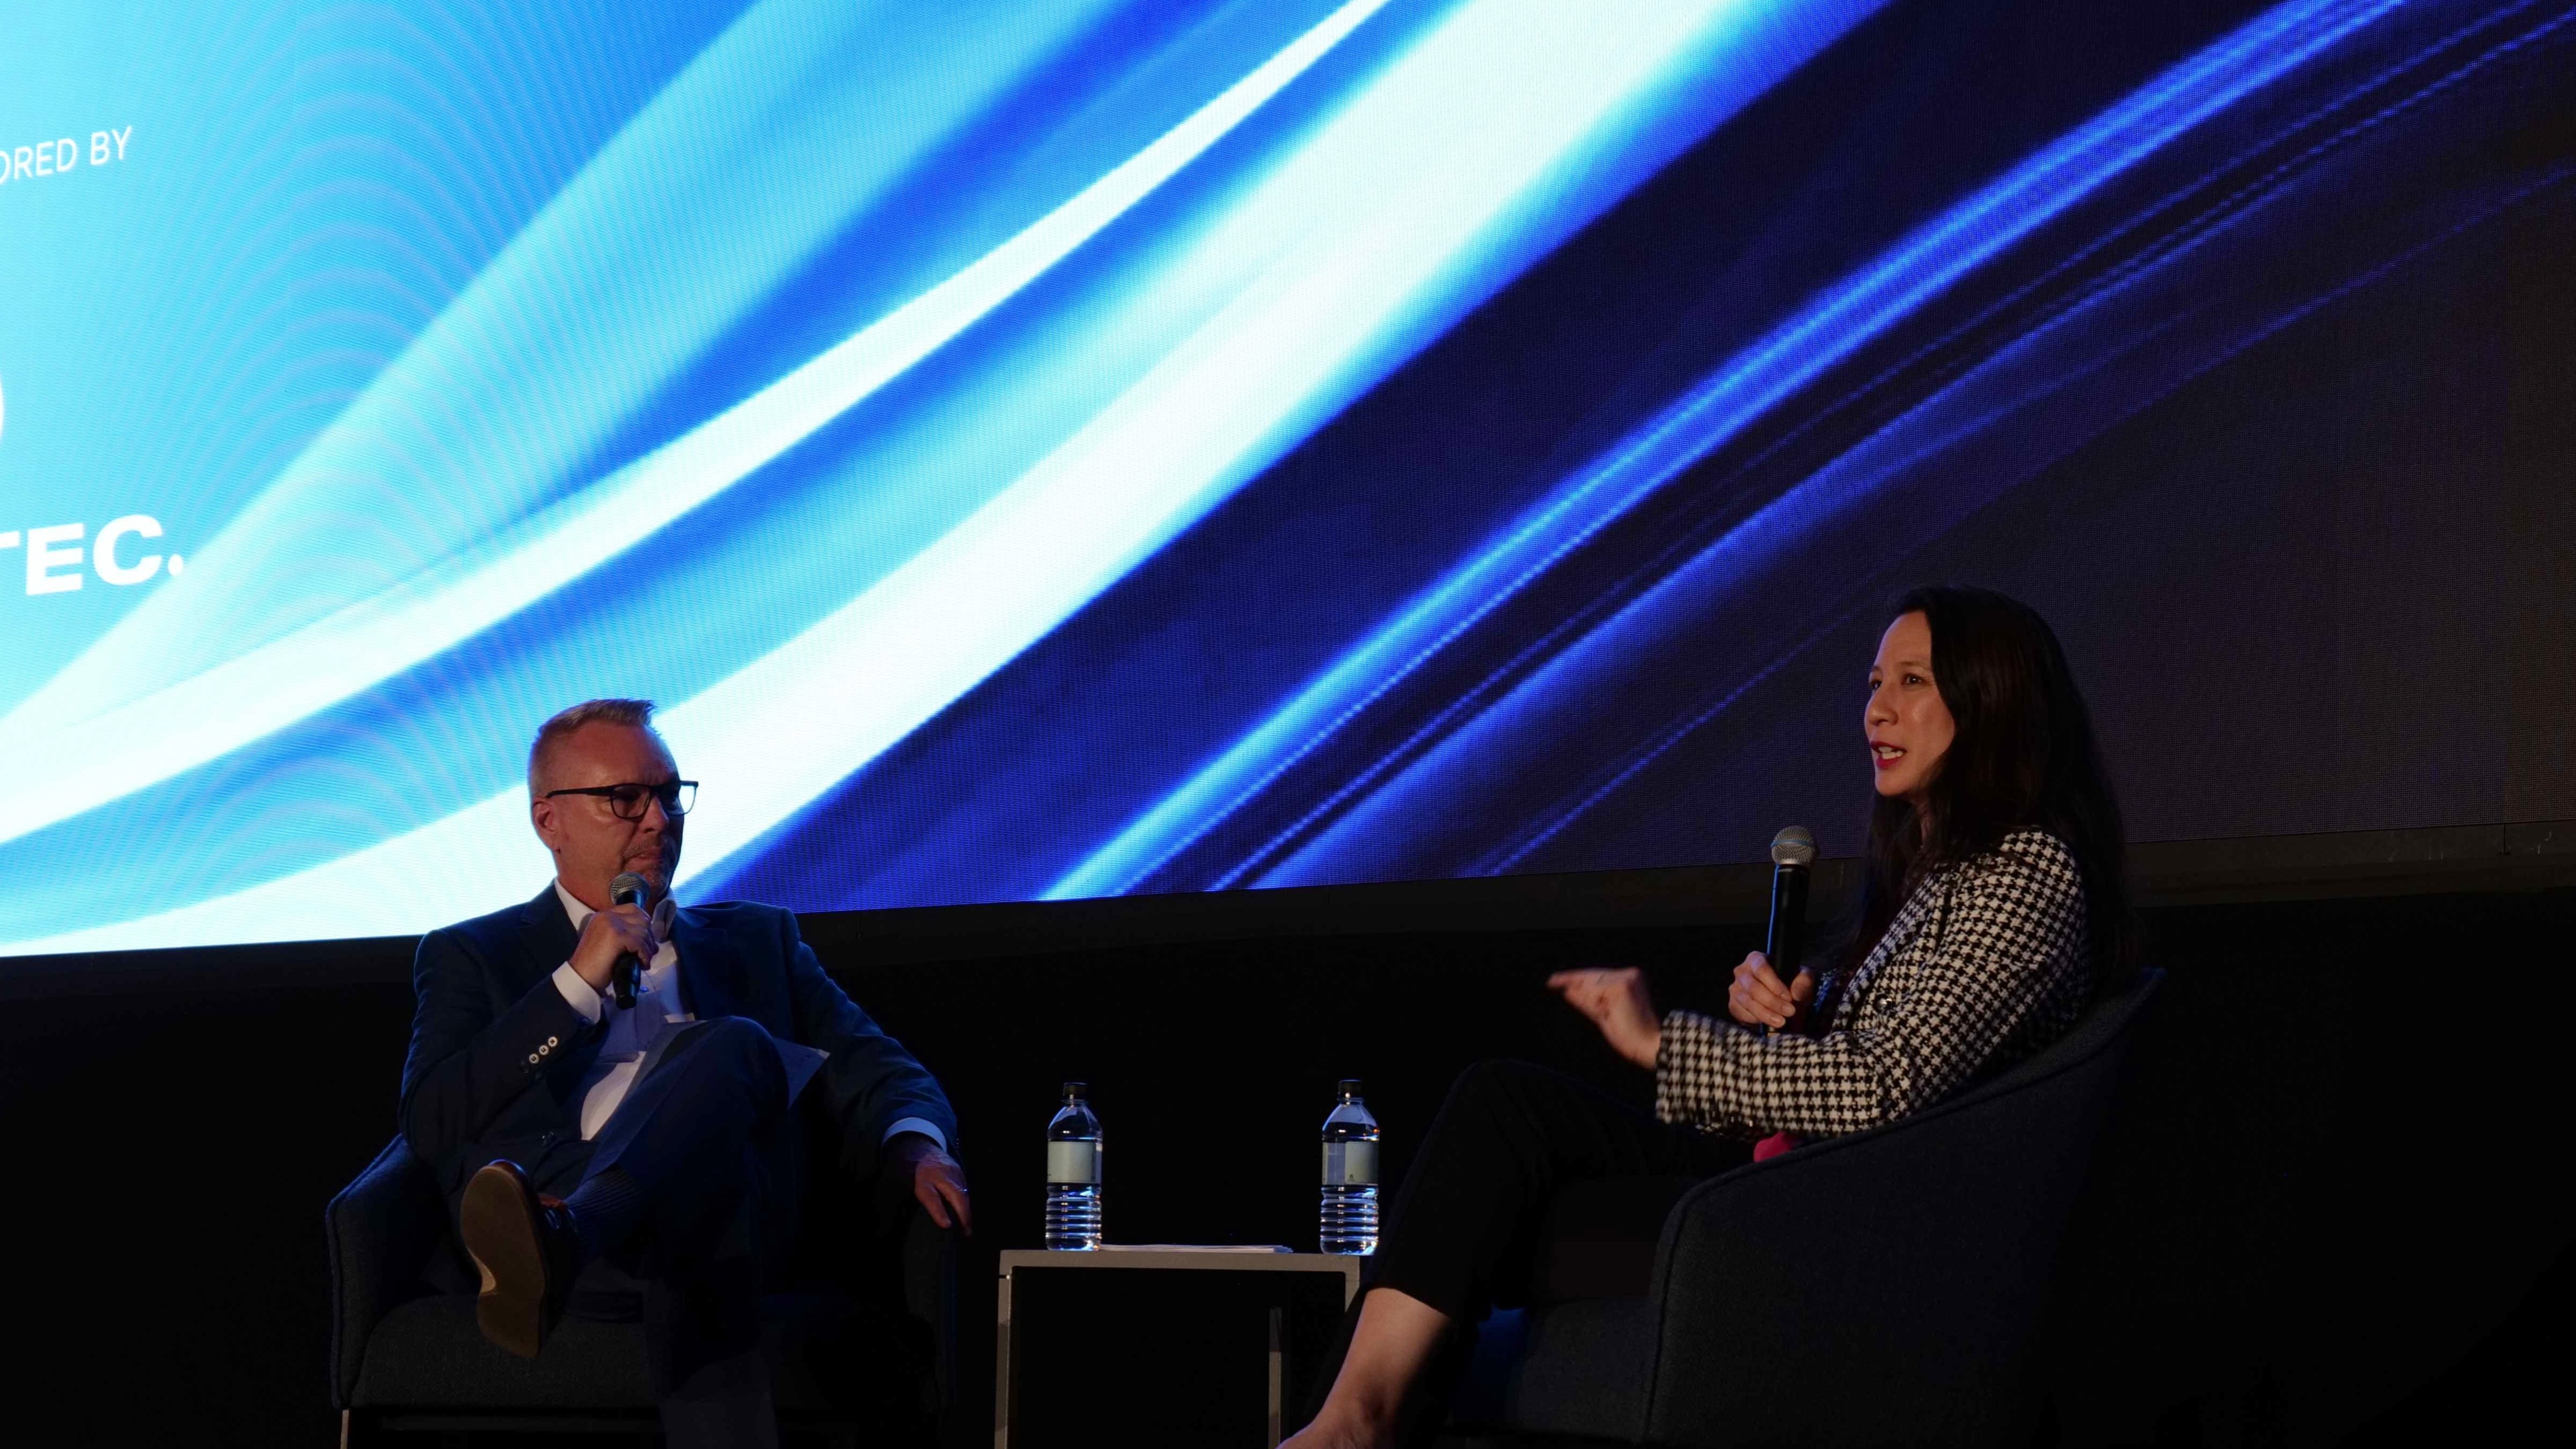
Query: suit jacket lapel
pixel 1901 931
pixel 702 991
pixel 546 939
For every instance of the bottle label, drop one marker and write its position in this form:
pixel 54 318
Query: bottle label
pixel 1350 1164
pixel 1073 1162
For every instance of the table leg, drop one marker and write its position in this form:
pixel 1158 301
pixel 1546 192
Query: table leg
pixel 1002 1364
pixel 1278 1369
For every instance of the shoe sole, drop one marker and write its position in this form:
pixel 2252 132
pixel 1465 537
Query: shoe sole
pixel 503 1239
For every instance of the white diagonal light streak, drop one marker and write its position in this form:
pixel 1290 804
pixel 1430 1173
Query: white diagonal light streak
pixel 99 758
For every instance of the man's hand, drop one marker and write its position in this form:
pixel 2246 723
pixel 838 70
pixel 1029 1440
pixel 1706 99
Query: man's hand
pixel 1758 999
pixel 608 935
pixel 938 1183
pixel 1616 1000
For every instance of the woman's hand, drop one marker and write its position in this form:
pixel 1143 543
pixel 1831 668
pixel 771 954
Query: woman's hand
pixel 1758 999
pixel 1615 998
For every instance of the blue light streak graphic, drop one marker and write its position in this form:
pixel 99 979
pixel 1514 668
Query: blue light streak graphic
pixel 102 753
pixel 1072 447
pixel 1836 325
pixel 1401 203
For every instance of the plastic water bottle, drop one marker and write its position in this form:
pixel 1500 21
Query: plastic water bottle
pixel 1350 1176
pixel 1073 1174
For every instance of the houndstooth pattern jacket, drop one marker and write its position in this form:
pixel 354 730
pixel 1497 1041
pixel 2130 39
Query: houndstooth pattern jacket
pixel 1986 963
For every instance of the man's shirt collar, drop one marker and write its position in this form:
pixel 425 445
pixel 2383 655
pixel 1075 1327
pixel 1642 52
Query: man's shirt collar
pixel 573 907
pixel 663 910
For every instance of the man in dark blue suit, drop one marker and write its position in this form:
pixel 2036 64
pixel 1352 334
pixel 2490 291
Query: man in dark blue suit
pixel 646 1153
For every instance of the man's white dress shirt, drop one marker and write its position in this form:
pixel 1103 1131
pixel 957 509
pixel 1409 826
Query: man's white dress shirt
pixel 632 1032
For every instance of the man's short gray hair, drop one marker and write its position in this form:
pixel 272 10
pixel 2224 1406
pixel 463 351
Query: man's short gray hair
pixel 632 713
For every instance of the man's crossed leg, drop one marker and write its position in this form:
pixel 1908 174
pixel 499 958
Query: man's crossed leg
pixel 689 1192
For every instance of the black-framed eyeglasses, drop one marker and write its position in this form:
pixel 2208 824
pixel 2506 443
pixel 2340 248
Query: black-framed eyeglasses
pixel 626 802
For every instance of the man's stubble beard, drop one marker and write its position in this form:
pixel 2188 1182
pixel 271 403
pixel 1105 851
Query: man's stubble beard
pixel 669 860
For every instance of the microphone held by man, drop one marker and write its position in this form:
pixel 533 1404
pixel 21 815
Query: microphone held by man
pixel 630 889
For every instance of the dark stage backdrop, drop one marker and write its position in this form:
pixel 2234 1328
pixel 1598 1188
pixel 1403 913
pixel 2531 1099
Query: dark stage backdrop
pixel 1049 448
pixel 2326 1206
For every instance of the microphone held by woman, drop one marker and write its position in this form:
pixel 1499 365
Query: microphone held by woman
pixel 1784 944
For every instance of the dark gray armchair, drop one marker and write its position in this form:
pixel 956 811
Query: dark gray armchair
pixel 1882 1288
pixel 863 1350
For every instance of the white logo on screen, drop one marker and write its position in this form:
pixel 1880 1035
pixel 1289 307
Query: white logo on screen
pixel 54 552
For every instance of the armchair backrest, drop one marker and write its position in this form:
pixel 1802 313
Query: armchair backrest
pixel 382 1231
pixel 389 1242
pixel 1885 1287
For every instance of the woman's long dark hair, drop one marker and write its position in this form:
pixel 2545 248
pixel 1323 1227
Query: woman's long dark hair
pixel 2023 758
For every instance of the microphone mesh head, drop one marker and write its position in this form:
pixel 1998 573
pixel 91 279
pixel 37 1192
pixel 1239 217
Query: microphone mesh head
pixel 629 888
pixel 1793 846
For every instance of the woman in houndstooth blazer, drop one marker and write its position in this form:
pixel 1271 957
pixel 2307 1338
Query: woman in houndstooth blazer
pixel 1992 912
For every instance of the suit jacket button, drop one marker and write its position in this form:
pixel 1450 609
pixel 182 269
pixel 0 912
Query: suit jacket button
pixel 550 1041
pixel 532 1059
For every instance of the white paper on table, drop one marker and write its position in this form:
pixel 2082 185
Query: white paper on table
pixel 1200 1247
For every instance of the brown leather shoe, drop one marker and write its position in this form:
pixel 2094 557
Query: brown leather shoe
pixel 526 1252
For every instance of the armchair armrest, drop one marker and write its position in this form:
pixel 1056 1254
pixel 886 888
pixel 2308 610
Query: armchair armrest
pixel 1783 1285
pixel 1915 1258
pixel 902 1244
pixel 381 1229
pixel 929 1264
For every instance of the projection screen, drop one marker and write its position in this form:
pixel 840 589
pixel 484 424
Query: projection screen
pixel 1053 448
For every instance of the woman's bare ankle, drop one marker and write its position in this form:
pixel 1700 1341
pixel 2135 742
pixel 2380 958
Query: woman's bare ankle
pixel 1338 1427
pixel 1393 1339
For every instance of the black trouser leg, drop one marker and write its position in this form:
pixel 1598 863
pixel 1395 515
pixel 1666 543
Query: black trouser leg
pixel 681 1129
pixel 1462 1232
pixel 706 1140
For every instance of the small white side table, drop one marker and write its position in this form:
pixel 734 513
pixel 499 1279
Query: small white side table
pixel 1154 1258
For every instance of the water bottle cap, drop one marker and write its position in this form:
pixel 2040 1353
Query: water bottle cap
pixel 1076 1091
pixel 1350 1087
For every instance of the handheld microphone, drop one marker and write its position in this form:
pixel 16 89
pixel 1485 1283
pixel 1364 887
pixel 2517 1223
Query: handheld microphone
pixel 629 889
pixel 1785 943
